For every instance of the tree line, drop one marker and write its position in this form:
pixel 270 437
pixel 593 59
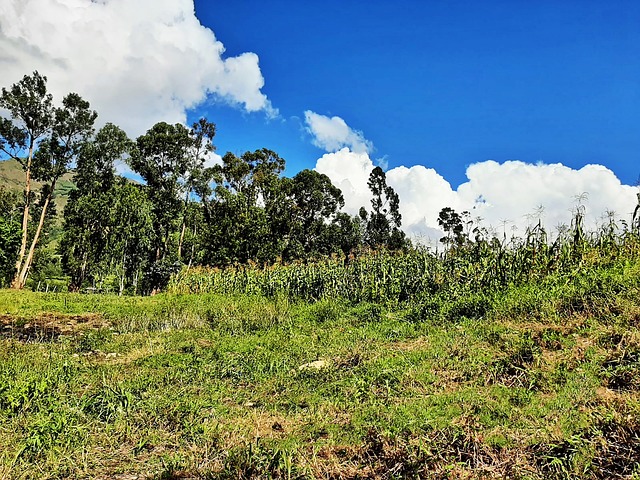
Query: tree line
pixel 186 212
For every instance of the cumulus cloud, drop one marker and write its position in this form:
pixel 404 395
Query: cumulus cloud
pixel 137 62
pixel 513 190
pixel 506 196
pixel 333 134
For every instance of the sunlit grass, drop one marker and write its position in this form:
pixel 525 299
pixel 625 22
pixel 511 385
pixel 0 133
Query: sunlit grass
pixel 537 379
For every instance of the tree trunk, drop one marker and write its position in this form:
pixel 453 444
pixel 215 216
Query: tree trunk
pixel 184 227
pixel 27 264
pixel 193 247
pixel 184 224
pixel 25 222
pixel 77 278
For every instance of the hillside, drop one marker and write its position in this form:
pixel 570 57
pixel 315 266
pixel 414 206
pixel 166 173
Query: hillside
pixel 12 178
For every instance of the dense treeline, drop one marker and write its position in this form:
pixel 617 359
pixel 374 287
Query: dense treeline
pixel 189 211
pixel 129 236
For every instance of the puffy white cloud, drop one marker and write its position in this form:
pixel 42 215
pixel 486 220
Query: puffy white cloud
pixel 514 190
pixel 333 134
pixel 510 195
pixel 137 62
pixel 423 193
pixel 349 171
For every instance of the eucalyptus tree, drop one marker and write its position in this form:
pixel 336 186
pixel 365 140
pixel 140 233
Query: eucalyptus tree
pixel 241 207
pixel 314 205
pixel 51 137
pixel 197 176
pixel 171 160
pixel 346 232
pixel 89 229
pixel 131 240
pixel 31 117
pixel 160 157
pixel 384 221
pixel 73 125
pixel 451 223
pixel 253 175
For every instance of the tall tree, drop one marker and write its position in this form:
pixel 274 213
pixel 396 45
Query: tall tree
pixel 88 222
pixel 128 247
pixel 451 223
pixel 247 194
pixel 315 202
pixel 384 221
pixel 31 119
pixel 346 232
pixel 170 159
pixel 73 125
pixel 197 176
pixel 50 138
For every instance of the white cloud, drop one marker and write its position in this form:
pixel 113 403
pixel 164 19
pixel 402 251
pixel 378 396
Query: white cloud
pixel 137 62
pixel 504 195
pixel 212 159
pixel 349 171
pixel 333 134
pixel 513 190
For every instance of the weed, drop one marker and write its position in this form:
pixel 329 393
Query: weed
pixel 108 402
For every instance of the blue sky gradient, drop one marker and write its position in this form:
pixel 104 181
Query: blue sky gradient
pixel 441 83
pixel 433 90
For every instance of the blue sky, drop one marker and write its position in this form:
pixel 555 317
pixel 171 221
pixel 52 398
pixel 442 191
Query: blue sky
pixel 442 83
pixel 512 110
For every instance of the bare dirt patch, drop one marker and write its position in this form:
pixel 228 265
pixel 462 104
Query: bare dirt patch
pixel 48 326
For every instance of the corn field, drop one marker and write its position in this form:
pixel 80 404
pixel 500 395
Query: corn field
pixel 480 265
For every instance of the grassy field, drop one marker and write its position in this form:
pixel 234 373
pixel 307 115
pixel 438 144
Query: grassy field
pixel 534 379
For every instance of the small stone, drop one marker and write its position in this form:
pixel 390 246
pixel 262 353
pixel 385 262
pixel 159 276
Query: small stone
pixel 317 365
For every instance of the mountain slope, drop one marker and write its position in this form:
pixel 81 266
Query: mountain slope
pixel 12 178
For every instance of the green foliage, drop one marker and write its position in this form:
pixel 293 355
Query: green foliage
pixel 29 104
pixel 313 204
pixel 10 235
pixel 383 223
pixel 239 228
pixel 51 137
pixel 451 223
pixel 108 402
pixel 171 160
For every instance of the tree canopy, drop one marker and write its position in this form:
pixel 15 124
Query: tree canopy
pixel 189 210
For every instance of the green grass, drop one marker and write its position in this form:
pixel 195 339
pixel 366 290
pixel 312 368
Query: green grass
pixel 534 380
